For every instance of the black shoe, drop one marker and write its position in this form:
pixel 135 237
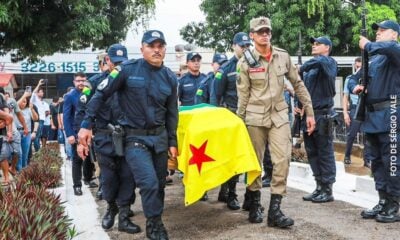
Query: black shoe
pixel 390 211
pixel 247 201
pixel 131 213
pixel 204 197
pixel 91 184
pixel 155 229
pixel 233 203
pixel 372 213
pixel 347 160
pixel 78 191
pixel 315 193
pixel 325 194
pixel 266 182
pixel 109 217
pixel 124 223
pixel 169 181
pixel 276 218
pixel 255 211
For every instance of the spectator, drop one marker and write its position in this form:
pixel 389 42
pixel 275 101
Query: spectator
pixel 42 106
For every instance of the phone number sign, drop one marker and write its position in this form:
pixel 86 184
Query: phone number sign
pixel 63 67
pixel 50 67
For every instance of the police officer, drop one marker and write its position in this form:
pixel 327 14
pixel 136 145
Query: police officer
pixel 381 125
pixel 190 81
pixel 116 179
pixel 263 108
pixel 319 74
pixel 203 93
pixel 147 95
pixel 224 94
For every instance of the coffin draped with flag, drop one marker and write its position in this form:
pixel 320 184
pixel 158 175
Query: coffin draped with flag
pixel 214 145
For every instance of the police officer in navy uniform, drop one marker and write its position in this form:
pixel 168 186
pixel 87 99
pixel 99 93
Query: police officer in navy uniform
pixel 382 120
pixel 203 93
pixel 117 180
pixel 190 81
pixel 147 95
pixel 319 74
pixel 225 94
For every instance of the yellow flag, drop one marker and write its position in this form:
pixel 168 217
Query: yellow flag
pixel 214 146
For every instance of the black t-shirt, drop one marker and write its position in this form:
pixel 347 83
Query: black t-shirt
pixel 54 114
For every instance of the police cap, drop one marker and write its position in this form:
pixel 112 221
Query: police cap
pixel 388 24
pixel 153 35
pixel 117 53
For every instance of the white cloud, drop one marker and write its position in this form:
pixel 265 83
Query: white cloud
pixel 170 16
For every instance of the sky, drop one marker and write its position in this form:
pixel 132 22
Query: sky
pixel 169 17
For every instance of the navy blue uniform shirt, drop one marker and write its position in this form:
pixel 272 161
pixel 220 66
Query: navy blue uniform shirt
pixel 383 85
pixel 188 85
pixel 70 107
pixel 319 75
pixel 203 93
pixel 147 96
pixel 225 93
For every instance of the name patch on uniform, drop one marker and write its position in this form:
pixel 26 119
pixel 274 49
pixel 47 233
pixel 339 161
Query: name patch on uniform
pixel 256 70
pixel 188 85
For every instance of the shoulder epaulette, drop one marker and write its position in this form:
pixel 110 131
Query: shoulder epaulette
pixel 280 49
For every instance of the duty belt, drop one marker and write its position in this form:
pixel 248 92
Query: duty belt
pixel 103 130
pixel 136 145
pixel 323 111
pixel 381 105
pixel 144 132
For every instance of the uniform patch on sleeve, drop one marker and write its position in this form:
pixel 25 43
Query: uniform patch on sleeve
pixel 199 92
pixel 103 84
pixel 218 75
pixel 83 99
pixel 114 73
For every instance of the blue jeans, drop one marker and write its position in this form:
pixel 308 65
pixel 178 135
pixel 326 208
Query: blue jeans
pixel 36 142
pixel 25 145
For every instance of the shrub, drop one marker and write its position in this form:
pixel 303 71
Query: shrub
pixel 31 212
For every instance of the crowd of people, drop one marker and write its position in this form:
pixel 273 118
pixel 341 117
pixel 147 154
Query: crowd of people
pixel 128 116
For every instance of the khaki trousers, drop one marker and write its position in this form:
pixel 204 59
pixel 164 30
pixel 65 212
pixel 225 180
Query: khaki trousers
pixel 280 147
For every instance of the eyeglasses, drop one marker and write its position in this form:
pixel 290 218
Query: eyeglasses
pixel 80 80
pixel 262 31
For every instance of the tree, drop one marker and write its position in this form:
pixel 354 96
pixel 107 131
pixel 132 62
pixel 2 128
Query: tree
pixel 42 27
pixel 335 18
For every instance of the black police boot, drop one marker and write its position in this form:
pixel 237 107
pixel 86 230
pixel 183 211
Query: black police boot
pixel 247 201
pixel 99 193
pixel 155 229
pixel 108 219
pixel 371 213
pixel 275 216
pixel 255 213
pixel 204 197
pixel 312 195
pixel 390 211
pixel 325 194
pixel 223 193
pixel 124 223
pixel 232 201
pixel 131 213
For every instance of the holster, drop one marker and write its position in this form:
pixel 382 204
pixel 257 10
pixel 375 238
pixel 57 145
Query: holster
pixel 118 138
pixel 296 126
pixel 326 125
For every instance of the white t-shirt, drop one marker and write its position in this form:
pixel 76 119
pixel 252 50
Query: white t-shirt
pixel 41 105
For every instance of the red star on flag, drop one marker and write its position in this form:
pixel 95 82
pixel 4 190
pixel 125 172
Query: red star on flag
pixel 199 155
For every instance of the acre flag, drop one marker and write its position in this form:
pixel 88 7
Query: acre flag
pixel 214 146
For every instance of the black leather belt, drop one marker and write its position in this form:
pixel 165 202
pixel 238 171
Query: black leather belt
pixel 382 105
pixel 144 132
pixel 104 131
pixel 323 111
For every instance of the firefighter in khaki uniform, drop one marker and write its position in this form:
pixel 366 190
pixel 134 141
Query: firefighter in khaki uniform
pixel 263 108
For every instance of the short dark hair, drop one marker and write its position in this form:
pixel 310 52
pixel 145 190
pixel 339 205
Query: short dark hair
pixel 55 99
pixel 79 74
pixel 2 90
pixel 358 59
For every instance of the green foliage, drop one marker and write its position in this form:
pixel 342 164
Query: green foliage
pixel 339 20
pixel 28 210
pixel 38 28
pixel 31 212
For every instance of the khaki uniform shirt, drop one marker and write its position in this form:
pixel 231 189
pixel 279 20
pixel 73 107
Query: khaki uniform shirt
pixel 260 90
